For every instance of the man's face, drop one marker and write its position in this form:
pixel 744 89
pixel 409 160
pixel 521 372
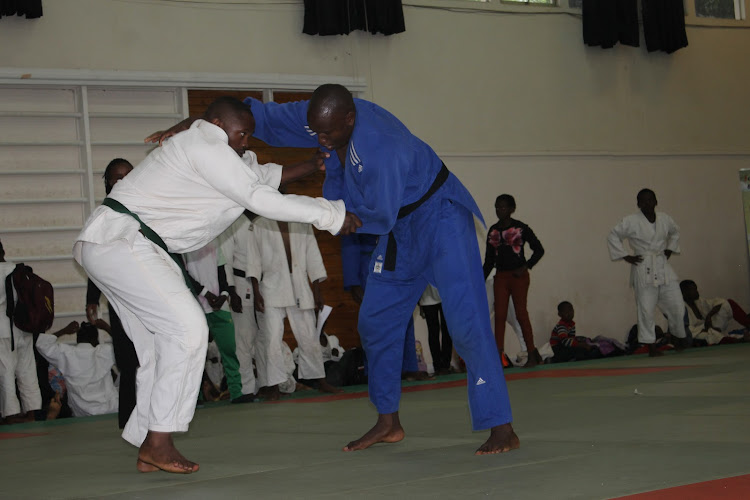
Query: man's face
pixel 647 202
pixel 239 129
pixel 690 292
pixel 334 129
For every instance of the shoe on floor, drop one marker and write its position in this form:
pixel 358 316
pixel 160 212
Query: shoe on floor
pixel 245 398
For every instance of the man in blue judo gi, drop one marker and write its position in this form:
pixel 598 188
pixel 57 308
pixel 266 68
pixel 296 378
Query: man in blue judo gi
pixel 400 190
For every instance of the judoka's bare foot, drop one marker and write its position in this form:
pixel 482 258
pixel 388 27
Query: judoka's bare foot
pixel 324 386
pixel 386 430
pixel 502 438
pixel 158 453
pixel 654 352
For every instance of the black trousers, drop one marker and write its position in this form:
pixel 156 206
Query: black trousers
pixel 127 362
pixel 440 351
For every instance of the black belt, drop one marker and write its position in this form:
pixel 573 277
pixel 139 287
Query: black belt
pixel 390 249
pixel 238 272
pixel 152 236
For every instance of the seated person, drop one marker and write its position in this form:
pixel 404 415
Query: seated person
pixel 87 368
pixel 565 344
pixel 708 320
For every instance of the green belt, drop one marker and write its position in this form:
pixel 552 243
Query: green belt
pixel 152 236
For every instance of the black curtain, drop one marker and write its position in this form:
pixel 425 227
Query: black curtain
pixel 606 22
pixel 32 9
pixel 341 17
pixel 664 25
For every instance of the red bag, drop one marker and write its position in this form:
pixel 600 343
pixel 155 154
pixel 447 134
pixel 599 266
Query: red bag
pixel 33 311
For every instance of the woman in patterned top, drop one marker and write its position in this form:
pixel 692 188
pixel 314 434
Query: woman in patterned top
pixel 505 243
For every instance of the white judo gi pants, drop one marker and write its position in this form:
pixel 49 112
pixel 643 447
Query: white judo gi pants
pixel 166 324
pixel 669 299
pixel 19 366
pixel 269 356
pixel 245 335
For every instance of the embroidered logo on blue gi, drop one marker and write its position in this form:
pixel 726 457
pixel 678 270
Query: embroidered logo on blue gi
pixel 354 157
pixel 481 381
pixel 310 131
pixel 378 265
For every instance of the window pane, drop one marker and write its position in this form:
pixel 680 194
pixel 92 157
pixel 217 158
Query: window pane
pixel 575 4
pixel 722 9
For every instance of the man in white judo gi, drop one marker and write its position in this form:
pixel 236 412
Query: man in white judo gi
pixel 234 242
pixel 178 199
pixel 653 237
pixel 710 319
pixel 86 367
pixel 281 258
pixel 16 362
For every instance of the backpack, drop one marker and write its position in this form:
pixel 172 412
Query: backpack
pixel 34 309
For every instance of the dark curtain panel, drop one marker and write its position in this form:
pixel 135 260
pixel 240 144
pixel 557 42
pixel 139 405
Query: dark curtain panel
pixel 606 22
pixel 341 17
pixel 32 9
pixel 664 25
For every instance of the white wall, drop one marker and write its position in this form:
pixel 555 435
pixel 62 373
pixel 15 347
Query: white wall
pixel 493 84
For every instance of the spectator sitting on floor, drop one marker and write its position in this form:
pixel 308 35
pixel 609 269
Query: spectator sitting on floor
pixel 708 320
pixel 565 344
pixel 87 368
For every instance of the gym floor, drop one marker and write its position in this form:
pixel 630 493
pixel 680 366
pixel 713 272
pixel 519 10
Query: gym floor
pixel 635 427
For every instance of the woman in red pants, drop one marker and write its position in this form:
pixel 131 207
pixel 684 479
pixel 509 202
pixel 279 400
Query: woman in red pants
pixel 505 251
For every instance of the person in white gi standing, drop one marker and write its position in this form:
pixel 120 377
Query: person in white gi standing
pixel 654 237
pixel 16 362
pixel 234 242
pixel 281 258
pixel 184 194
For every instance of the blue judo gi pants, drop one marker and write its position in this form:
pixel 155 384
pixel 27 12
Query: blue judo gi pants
pixel 436 243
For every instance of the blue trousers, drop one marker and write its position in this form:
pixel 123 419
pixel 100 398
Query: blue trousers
pixel 437 244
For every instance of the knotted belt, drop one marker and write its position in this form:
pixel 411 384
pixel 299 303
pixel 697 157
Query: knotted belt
pixel 151 235
pixel 390 249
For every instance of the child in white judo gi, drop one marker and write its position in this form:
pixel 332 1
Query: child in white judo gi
pixel 653 237
pixel 283 259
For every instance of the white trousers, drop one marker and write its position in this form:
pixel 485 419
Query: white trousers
pixel 245 334
pixel 669 299
pixel 166 324
pixel 270 358
pixel 19 366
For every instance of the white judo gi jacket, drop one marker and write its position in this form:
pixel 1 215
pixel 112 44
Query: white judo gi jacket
pixel 267 262
pixel 86 370
pixel 196 169
pixel 649 241
pixel 234 242
pixel 203 265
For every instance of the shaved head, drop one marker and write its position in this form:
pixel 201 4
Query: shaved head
pixel 235 118
pixel 331 114
pixel 329 99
